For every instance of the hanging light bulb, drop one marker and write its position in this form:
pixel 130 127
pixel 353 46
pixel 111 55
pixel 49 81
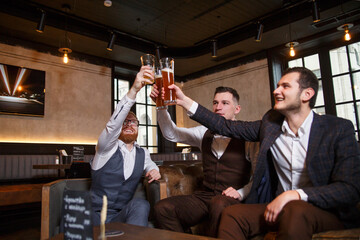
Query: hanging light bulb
pixel 291 45
pixel 65 42
pixel 292 51
pixel 65 59
pixel 347 35
pixel 345 28
pixel 65 45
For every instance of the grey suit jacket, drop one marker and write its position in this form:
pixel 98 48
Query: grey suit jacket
pixel 332 160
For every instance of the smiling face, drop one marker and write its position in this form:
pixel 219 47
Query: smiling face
pixel 225 105
pixel 288 94
pixel 129 131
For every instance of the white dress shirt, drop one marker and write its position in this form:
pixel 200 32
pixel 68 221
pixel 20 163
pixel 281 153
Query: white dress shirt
pixel 289 154
pixel 108 142
pixel 194 136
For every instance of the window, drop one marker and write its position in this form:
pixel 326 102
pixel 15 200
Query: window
pixel 344 77
pixel 145 112
pixel 345 70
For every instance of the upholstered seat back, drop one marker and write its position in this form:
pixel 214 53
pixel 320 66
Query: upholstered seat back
pixel 181 179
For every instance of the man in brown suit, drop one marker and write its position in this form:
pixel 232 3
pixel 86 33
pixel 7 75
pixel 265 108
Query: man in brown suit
pixel 226 169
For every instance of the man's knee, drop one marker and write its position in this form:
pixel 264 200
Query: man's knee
pixel 163 207
pixel 140 205
pixel 294 210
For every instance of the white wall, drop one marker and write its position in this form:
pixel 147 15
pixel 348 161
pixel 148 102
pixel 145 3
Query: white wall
pixel 77 100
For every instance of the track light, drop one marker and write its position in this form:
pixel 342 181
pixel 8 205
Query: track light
pixel 291 45
pixel 41 24
pixel 260 28
pixel 111 42
pixel 315 11
pixel 345 27
pixel 214 48
pixel 107 3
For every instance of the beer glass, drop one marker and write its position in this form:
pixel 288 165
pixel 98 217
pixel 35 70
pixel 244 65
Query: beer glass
pixel 148 60
pixel 167 71
pixel 159 83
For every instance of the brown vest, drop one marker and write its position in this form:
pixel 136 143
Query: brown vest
pixel 231 170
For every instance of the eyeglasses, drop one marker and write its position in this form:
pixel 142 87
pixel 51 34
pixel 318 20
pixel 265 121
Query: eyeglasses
pixel 131 122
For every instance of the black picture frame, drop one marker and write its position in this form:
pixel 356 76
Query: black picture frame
pixel 22 91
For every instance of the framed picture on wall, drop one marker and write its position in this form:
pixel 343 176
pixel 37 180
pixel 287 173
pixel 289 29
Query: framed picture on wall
pixel 22 91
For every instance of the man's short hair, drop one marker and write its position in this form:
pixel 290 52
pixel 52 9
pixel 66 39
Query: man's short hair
pixel 307 79
pixel 223 89
pixel 132 113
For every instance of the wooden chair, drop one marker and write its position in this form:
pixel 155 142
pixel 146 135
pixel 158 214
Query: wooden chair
pixel 51 203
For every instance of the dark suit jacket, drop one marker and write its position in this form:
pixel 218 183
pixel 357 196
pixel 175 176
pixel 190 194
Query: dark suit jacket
pixel 332 160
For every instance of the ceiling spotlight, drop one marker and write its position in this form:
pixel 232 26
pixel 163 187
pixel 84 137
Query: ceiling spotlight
pixel 291 45
pixel 214 48
pixel 111 42
pixel 260 28
pixel 41 24
pixel 315 11
pixel 345 27
pixel 107 3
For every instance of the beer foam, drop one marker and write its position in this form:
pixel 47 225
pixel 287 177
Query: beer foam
pixel 167 70
pixel 158 76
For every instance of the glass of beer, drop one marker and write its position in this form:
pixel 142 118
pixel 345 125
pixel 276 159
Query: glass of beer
pixel 167 71
pixel 148 60
pixel 159 83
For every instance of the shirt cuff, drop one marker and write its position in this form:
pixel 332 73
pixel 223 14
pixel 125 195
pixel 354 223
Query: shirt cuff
pixel 192 109
pixel 303 195
pixel 241 192
pixel 129 100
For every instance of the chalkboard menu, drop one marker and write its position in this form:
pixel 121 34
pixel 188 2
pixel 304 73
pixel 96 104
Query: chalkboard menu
pixel 78 153
pixel 76 220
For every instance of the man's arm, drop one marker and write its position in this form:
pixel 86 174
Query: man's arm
pixel 191 136
pixel 248 131
pixel 107 141
pixel 339 165
pixel 150 168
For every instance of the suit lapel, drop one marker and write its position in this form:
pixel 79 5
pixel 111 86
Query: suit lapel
pixel 316 134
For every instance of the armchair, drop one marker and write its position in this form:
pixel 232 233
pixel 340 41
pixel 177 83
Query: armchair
pixel 181 179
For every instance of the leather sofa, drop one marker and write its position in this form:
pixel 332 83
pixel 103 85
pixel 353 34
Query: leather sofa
pixel 179 179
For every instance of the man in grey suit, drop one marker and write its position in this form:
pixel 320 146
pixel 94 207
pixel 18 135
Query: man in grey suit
pixel 307 178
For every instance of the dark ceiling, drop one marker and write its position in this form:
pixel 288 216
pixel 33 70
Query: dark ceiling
pixel 182 29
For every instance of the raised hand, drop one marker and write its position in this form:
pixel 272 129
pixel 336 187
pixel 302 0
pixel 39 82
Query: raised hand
pixel 140 80
pixel 181 99
pixel 154 93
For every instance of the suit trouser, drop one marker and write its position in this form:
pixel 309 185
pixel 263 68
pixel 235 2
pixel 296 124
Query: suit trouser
pixel 297 220
pixel 135 212
pixel 178 213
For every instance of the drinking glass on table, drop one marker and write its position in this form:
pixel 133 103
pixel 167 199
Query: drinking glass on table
pixel 148 60
pixel 159 83
pixel 167 71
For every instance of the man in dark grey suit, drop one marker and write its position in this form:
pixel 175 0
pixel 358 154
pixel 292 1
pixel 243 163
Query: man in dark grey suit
pixel 307 178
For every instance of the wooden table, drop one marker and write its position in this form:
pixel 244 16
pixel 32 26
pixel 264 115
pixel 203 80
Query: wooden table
pixel 59 167
pixel 132 232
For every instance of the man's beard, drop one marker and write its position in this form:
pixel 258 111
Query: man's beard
pixel 128 138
